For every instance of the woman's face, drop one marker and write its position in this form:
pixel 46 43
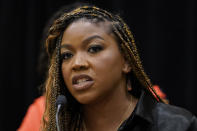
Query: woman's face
pixel 92 65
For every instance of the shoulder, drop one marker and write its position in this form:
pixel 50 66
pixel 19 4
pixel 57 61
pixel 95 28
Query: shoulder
pixel 169 117
pixel 175 112
pixel 32 119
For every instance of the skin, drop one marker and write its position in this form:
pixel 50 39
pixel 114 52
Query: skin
pixel 91 49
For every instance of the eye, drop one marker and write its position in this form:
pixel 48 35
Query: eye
pixel 95 48
pixel 66 55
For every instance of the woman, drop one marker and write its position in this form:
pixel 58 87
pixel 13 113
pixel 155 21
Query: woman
pixel 95 64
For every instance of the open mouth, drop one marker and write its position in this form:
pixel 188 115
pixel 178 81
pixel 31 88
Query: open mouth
pixel 81 82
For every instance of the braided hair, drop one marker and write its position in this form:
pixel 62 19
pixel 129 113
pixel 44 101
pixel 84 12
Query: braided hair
pixel 71 118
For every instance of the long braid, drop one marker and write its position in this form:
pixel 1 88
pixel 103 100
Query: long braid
pixel 142 75
pixel 135 54
pixel 53 85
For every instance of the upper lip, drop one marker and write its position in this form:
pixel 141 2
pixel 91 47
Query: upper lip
pixel 77 77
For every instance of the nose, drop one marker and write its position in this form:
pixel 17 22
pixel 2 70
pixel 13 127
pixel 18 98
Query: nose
pixel 80 62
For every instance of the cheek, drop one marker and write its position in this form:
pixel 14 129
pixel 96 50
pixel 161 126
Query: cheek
pixel 108 64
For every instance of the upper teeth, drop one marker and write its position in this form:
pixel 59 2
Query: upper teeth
pixel 81 80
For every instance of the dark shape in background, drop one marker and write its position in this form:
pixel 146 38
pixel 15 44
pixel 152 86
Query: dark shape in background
pixel 165 31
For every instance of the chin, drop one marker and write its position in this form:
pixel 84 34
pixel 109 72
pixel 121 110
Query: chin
pixel 86 99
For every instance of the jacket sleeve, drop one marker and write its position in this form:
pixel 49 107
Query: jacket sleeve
pixel 193 125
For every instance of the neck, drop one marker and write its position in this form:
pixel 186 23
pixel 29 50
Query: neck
pixel 109 113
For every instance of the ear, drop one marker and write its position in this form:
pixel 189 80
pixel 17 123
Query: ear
pixel 126 67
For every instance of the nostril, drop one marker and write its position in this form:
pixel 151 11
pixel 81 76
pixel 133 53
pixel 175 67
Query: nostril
pixel 81 66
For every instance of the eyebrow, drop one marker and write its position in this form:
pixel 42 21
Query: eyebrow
pixel 84 41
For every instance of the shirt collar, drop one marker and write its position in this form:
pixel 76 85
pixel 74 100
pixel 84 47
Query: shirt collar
pixel 143 112
pixel 145 106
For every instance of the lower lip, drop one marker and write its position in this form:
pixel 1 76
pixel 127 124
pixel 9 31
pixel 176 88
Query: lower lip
pixel 83 85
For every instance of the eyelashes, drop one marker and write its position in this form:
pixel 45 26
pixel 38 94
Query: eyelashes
pixel 93 49
pixel 66 55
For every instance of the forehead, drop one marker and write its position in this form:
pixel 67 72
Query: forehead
pixel 83 29
pixel 86 25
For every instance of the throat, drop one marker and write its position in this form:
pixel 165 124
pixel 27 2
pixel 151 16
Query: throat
pixel 110 116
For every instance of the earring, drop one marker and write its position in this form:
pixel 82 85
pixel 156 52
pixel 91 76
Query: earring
pixel 129 88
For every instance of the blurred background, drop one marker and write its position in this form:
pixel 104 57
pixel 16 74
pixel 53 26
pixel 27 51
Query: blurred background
pixel 165 30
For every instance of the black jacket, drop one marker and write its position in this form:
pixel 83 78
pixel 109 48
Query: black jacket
pixel 150 115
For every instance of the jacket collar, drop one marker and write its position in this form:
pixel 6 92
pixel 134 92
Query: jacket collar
pixel 145 106
pixel 143 112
